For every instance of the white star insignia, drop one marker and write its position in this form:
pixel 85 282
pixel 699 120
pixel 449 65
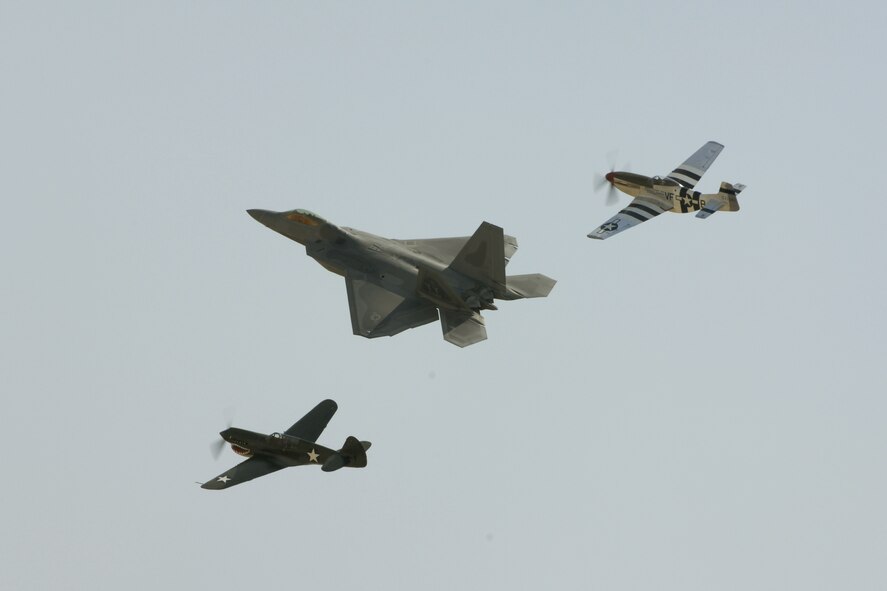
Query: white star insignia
pixel 312 457
pixel 224 479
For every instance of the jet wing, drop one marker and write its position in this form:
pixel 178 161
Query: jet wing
pixel 377 312
pixel 309 427
pixel 446 249
pixel 243 472
pixel 692 169
pixel 639 210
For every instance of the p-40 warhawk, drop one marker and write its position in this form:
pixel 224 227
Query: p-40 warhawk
pixel 294 447
pixel 394 285
pixel 674 193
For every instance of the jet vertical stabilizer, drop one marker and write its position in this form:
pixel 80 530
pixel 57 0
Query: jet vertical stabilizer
pixel 483 257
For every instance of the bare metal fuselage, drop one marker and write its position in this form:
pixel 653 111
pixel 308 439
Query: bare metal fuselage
pixel 665 192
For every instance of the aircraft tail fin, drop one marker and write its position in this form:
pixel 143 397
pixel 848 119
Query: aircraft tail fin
pixel 483 257
pixel 725 200
pixel 352 455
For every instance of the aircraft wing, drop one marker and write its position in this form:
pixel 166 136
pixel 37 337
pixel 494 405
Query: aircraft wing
pixel 243 472
pixel 639 210
pixel 377 312
pixel 446 249
pixel 692 169
pixel 309 427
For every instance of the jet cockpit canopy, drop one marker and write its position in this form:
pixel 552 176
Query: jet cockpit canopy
pixel 303 216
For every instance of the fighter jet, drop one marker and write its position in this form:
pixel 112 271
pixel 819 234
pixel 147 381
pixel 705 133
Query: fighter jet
pixel 674 193
pixel 294 447
pixel 394 285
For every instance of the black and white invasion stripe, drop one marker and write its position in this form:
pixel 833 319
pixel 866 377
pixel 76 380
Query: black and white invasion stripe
pixel 640 212
pixel 686 178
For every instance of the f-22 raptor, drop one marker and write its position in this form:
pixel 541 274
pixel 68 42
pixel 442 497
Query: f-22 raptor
pixel 394 285
pixel 294 447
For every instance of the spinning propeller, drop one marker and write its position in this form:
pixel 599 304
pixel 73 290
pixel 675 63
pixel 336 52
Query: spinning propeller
pixel 600 180
pixel 218 445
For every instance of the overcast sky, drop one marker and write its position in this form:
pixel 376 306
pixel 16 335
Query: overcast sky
pixel 697 405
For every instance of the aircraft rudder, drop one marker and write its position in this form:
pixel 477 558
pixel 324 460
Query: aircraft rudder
pixel 729 193
pixel 724 200
pixel 483 256
pixel 352 455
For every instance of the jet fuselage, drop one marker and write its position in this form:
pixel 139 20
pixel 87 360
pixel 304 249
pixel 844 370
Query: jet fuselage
pixel 391 264
pixel 388 263
pixel 395 285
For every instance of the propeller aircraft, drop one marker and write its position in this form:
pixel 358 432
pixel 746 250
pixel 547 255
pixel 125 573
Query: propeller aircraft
pixel 674 193
pixel 294 447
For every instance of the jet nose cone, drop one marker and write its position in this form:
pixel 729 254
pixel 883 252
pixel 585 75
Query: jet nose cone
pixel 609 177
pixel 261 215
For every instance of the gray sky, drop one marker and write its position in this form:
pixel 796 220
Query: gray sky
pixel 697 405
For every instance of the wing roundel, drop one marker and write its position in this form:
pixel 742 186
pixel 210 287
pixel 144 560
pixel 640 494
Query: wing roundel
pixel 243 472
pixel 638 211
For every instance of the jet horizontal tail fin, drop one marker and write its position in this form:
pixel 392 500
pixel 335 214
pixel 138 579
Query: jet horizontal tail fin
pixel 462 327
pixel 483 256
pixel 534 285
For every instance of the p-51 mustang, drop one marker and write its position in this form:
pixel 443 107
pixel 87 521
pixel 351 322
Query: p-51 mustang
pixel 294 447
pixel 674 193
pixel 394 285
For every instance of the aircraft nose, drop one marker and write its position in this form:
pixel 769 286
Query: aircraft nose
pixel 291 224
pixel 263 216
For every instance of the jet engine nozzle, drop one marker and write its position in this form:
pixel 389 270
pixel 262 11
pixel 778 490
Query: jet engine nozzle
pixel 481 299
